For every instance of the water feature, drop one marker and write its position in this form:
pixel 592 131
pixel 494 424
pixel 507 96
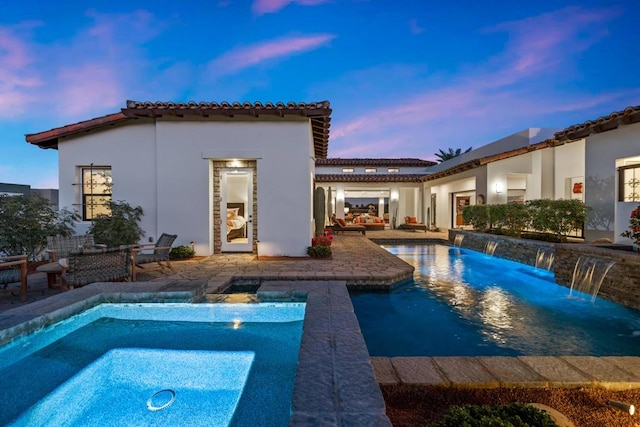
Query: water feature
pixel 588 274
pixel 544 258
pixel 490 247
pixel 462 303
pixel 457 242
pixel 174 364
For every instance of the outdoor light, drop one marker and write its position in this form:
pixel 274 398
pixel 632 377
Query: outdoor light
pixel 499 187
pixel 236 323
pixel 625 407
pixel 346 210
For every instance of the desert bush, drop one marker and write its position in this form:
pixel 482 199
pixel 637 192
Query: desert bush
pixel 121 227
pixel 509 415
pixel 320 251
pixel 182 252
pixel 26 221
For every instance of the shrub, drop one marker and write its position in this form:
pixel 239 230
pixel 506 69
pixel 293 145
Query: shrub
pixel 633 232
pixel 26 221
pixel 121 227
pixel 558 217
pixel 181 252
pixel 477 216
pixel 319 251
pixel 510 415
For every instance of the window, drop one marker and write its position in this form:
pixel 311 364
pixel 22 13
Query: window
pixel 393 170
pixel 347 170
pixel 629 178
pixel 96 191
pixel 370 170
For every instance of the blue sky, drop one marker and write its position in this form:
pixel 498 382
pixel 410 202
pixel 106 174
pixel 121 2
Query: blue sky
pixel 404 77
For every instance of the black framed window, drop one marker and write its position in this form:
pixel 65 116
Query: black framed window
pixel 96 191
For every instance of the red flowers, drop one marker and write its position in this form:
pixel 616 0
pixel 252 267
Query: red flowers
pixel 322 240
pixel 634 226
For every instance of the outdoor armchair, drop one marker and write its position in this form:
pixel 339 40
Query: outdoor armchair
pixel 13 269
pixel 159 255
pixel 97 265
pixel 61 246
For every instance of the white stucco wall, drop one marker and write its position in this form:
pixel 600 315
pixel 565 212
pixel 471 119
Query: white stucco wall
pixel 601 189
pixel 130 151
pixel 443 188
pixel 165 167
pixel 569 161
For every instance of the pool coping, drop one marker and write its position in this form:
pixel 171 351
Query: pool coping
pixel 335 383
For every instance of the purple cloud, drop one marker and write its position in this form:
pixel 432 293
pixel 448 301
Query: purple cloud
pixel 16 78
pixel 260 7
pixel 252 55
pixel 492 99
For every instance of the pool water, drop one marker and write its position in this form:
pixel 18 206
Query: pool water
pixel 465 303
pixel 34 367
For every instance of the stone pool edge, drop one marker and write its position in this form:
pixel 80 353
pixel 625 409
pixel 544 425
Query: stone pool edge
pixel 335 383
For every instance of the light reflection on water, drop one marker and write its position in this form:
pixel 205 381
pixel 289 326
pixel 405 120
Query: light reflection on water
pixel 466 303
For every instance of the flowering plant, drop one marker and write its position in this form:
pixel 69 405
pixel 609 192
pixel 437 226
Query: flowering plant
pixel 634 226
pixel 322 240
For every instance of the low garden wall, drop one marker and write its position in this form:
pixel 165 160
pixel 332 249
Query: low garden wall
pixel 621 284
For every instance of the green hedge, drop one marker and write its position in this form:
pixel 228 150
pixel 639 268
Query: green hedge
pixel 555 217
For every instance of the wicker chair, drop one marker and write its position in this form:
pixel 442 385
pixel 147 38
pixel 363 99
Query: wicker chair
pixel 160 253
pixel 97 265
pixel 13 269
pixel 61 246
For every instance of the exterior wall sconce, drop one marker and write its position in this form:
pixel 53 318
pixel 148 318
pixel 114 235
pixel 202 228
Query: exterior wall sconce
pixel 499 187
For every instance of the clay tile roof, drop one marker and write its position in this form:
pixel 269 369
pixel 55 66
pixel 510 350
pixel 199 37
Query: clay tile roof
pixel 319 114
pixel 374 162
pixel 392 177
pixel 49 138
pixel 627 116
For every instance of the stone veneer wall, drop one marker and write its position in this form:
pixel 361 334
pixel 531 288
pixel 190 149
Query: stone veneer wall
pixel 621 284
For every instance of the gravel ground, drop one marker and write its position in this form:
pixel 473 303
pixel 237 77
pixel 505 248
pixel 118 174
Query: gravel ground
pixel 585 407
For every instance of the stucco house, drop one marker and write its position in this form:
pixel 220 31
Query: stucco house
pixel 597 161
pixel 229 177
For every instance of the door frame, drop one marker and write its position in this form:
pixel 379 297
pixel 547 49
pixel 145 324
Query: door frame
pixel 248 210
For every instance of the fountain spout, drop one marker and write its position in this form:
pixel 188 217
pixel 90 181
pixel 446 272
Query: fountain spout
pixel 588 274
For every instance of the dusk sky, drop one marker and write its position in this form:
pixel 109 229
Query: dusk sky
pixel 404 77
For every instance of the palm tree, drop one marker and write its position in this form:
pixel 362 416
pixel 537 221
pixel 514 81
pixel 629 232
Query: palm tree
pixel 446 155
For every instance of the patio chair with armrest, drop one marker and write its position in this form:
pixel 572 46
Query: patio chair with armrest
pixel 160 254
pixel 13 269
pixel 59 247
pixel 87 266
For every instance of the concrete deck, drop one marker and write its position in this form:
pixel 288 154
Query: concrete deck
pixel 336 382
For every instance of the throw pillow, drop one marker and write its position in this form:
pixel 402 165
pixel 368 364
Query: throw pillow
pixel 341 222
pixel 232 213
pixel 412 220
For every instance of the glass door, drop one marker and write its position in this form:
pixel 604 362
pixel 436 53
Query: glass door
pixel 237 210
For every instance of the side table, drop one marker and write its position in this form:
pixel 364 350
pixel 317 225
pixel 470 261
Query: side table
pixel 53 269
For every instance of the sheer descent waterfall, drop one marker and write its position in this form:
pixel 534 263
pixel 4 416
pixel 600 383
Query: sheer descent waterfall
pixel 588 275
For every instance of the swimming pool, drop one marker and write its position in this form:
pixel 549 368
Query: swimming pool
pixel 244 354
pixel 465 303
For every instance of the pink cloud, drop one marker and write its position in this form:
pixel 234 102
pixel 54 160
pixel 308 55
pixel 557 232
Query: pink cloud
pixel 16 77
pixel 246 57
pixel 261 7
pixel 542 42
pixel 84 88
